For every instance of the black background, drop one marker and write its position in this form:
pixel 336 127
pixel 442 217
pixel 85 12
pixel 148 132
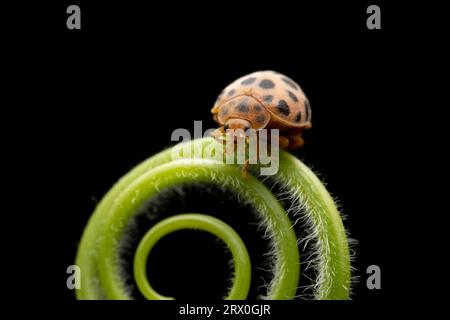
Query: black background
pixel 108 96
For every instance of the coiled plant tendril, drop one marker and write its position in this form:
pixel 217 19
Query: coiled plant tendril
pixel 310 203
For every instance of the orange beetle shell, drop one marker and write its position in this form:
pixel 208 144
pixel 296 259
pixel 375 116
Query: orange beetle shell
pixel 285 104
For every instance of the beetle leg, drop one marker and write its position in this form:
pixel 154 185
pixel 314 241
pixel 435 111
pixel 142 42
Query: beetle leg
pixel 245 169
pixel 284 142
pixel 295 141
pixel 218 132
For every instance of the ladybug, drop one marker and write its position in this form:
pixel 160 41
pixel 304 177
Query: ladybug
pixel 264 99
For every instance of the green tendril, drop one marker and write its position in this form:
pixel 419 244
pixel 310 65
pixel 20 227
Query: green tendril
pixel 98 252
pixel 242 272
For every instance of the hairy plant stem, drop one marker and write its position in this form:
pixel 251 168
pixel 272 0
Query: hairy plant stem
pixel 98 255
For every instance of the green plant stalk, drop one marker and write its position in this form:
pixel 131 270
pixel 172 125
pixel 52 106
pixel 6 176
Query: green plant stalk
pixel 324 220
pixel 98 258
pixel 241 259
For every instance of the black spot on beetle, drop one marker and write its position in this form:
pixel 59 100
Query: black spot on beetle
pixel 298 117
pixel 290 83
pixel 260 118
pixel 248 81
pixel 292 96
pixel 283 107
pixel 267 98
pixel 307 110
pixel 258 108
pixel 231 92
pixel 242 107
pixel 267 84
pixel 223 111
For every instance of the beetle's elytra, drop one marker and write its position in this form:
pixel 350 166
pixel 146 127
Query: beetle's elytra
pixel 264 99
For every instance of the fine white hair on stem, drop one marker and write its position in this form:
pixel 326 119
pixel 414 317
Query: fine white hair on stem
pixel 154 210
pixel 322 241
pixel 314 242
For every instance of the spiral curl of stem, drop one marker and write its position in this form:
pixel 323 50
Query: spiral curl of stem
pixel 310 204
